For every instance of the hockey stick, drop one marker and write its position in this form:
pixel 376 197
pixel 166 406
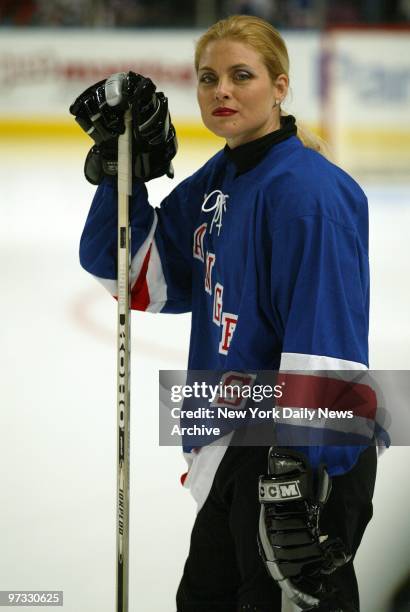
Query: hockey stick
pixel 123 363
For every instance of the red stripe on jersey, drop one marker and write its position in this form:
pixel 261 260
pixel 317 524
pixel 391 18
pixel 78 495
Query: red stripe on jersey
pixel 140 299
pixel 302 391
pixel 183 478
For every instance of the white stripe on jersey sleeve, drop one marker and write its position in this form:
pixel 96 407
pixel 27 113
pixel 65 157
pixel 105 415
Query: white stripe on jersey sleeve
pixel 136 264
pixel 300 361
pixel 138 259
pixel 157 287
pixel 107 283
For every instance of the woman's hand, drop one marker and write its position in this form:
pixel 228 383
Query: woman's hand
pixel 99 111
pixel 296 553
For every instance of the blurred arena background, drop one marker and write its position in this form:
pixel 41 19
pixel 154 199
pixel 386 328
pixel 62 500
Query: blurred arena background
pixel 350 82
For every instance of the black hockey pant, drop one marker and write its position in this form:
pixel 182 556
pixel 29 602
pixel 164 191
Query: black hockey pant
pixel 224 573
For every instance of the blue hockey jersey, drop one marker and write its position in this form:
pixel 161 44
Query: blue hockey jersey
pixel 272 263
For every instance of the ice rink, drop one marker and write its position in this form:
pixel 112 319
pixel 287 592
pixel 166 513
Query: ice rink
pixel 58 407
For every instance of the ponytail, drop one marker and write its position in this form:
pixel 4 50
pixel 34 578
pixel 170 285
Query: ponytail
pixel 310 140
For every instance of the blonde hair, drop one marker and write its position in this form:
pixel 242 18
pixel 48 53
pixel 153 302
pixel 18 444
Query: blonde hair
pixel 266 40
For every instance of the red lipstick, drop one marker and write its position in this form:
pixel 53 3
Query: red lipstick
pixel 223 111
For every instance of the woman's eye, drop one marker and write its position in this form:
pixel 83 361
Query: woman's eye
pixel 206 78
pixel 242 76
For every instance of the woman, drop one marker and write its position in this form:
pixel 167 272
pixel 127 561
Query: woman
pixel 267 245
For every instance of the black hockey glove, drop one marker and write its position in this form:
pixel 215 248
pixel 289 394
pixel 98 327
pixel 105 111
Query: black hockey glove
pixel 99 111
pixel 295 551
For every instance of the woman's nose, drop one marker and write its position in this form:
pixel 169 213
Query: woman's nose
pixel 222 90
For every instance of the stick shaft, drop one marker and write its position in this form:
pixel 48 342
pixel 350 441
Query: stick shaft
pixel 123 364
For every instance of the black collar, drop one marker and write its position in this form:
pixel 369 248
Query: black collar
pixel 247 156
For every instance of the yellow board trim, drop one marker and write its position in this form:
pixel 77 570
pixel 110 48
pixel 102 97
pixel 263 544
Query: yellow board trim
pixel 57 128
pixel 15 127
pixel 376 139
pixel 356 139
